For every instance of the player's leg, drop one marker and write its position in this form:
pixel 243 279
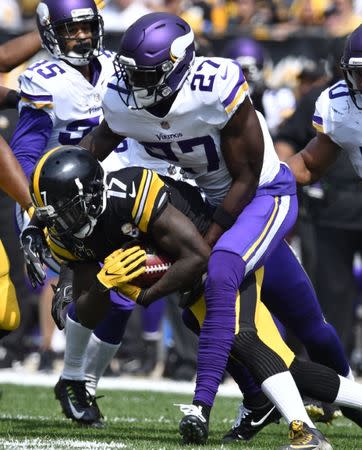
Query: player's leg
pixel 263 412
pixel 240 250
pixel 87 354
pixel 9 308
pixel 289 295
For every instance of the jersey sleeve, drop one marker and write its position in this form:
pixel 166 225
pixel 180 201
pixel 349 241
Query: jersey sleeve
pixel 332 110
pixel 34 95
pixel 139 195
pixel 231 85
pixel 318 116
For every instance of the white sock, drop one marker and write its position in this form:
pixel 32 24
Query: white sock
pixel 349 393
pixel 283 392
pixel 76 341
pixel 98 355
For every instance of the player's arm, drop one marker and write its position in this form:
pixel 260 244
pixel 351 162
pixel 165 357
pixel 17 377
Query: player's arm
pixel 177 236
pixel 18 50
pixel 9 98
pixel 101 141
pixel 12 178
pixel 311 163
pixel 242 145
pixel 92 303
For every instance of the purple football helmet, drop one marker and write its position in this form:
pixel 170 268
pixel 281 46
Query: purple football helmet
pixel 351 65
pixel 250 55
pixel 54 20
pixel 154 59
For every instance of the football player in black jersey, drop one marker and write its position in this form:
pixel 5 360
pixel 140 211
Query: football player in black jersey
pixel 89 222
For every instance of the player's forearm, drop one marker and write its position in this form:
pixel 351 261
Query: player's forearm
pixel 182 275
pixel 301 171
pixel 101 141
pixel 12 178
pixel 239 195
pixel 17 51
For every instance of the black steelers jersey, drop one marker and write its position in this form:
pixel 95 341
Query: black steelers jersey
pixel 135 198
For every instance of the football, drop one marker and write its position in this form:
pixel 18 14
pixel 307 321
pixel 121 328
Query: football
pixel 156 266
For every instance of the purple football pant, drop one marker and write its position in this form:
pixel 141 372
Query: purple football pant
pixel 289 294
pixel 241 250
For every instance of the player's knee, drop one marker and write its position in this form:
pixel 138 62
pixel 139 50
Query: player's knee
pixel 225 270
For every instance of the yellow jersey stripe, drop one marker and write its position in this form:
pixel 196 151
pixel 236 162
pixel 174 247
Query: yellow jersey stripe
pixel 60 251
pixel 38 105
pixel 139 193
pixel 36 176
pixel 318 127
pixel 264 232
pixel 243 88
pixel 156 185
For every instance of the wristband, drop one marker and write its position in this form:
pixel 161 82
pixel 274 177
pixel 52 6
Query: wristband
pixel 223 218
pixel 141 297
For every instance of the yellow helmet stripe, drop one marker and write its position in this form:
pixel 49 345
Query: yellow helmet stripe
pixel 36 176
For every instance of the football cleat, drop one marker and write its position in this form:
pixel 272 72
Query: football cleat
pixel 250 421
pixel 194 426
pixel 303 437
pixel 77 404
pixel 321 411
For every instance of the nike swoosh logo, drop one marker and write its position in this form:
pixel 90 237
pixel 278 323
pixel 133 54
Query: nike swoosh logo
pixel 223 77
pixel 133 194
pixel 78 415
pixel 111 274
pixel 262 420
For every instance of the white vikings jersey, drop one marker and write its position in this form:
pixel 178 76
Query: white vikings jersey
pixel 189 135
pixel 338 117
pixel 73 104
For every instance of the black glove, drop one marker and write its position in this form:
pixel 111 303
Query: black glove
pixel 35 250
pixel 63 295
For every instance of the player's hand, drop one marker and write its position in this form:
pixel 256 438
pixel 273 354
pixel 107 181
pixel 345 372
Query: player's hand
pixel 122 266
pixel 35 249
pixel 63 295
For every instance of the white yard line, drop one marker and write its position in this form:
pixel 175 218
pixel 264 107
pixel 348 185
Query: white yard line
pixel 123 383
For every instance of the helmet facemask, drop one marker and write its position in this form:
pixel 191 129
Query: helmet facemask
pixel 77 216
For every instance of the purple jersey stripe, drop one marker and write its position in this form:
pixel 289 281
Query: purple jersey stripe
pixel 318 120
pixel 37 98
pixel 241 80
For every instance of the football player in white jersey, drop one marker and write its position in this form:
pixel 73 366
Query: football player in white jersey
pixel 196 114
pixel 60 103
pixel 337 119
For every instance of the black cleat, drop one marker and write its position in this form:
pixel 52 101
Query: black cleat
pixel 250 421
pixel 320 411
pixel 76 402
pixel 303 437
pixel 194 426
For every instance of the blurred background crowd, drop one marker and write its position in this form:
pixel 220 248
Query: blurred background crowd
pixel 290 51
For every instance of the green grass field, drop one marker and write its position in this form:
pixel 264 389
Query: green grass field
pixel 30 418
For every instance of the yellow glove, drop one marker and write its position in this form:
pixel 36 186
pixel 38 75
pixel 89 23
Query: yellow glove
pixel 122 266
pixel 100 3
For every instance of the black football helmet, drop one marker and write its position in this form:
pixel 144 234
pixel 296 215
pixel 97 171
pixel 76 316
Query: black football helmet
pixel 351 65
pixel 68 189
